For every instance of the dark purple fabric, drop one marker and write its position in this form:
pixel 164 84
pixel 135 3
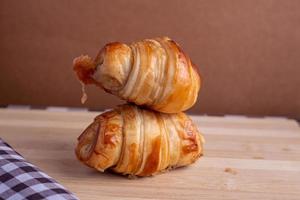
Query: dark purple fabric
pixel 20 179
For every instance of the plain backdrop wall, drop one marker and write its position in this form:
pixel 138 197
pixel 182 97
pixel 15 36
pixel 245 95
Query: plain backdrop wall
pixel 248 51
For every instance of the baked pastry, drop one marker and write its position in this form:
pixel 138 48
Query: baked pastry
pixel 140 142
pixel 154 73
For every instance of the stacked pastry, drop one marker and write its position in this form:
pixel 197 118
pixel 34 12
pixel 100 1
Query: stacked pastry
pixel 151 134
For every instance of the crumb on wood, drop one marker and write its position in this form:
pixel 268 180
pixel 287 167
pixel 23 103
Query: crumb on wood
pixel 258 157
pixel 230 171
pixel 131 176
pixel 285 149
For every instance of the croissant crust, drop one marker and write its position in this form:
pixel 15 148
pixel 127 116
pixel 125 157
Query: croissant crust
pixel 155 73
pixel 139 142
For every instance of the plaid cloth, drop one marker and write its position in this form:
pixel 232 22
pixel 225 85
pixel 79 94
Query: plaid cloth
pixel 20 179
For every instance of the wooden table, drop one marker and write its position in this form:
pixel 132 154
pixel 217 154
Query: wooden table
pixel 245 158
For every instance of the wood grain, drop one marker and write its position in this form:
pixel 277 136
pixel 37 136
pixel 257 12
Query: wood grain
pixel 245 158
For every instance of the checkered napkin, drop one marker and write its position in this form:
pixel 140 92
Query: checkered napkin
pixel 20 179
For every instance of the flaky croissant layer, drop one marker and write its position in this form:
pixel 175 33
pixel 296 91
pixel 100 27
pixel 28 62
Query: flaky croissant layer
pixel 153 72
pixel 135 141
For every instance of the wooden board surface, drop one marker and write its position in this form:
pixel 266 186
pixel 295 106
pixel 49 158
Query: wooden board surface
pixel 245 158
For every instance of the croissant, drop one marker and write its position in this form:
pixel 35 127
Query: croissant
pixel 140 142
pixel 155 73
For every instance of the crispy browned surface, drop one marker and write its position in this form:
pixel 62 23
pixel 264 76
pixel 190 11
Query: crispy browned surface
pixel 100 144
pixel 152 72
pixel 135 141
pixel 84 68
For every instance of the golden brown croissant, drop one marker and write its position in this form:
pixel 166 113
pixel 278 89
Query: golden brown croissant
pixel 140 142
pixel 152 72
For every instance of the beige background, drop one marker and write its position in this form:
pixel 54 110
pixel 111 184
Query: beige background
pixel 248 51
